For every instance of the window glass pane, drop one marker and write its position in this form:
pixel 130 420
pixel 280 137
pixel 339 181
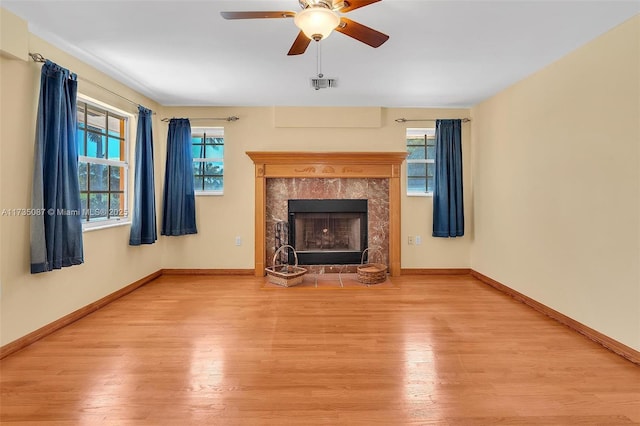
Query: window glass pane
pixel 96 119
pixel 115 178
pixel 431 152
pixel 430 184
pixel 116 124
pixel 196 139
pixel 213 169
pixel 82 175
pixel 114 149
pixel 197 168
pixel 98 177
pixel 84 206
pixel 213 183
pixel 417 185
pixel 215 151
pixel 197 151
pixel 431 169
pixel 198 183
pixel 115 206
pixel 417 169
pixel 416 152
pixel 96 145
pixel 98 206
pixel 80 142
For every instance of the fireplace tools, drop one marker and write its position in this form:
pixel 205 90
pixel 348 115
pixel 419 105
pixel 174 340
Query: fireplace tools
pixel 281 238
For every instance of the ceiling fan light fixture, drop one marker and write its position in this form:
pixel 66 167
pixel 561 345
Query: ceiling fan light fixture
pixel 316 22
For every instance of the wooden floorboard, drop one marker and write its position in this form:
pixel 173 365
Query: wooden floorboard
pixel 442 350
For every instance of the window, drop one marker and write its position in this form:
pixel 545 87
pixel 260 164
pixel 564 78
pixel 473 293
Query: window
pixel 421 146
pixel 207 146
pixel 103 145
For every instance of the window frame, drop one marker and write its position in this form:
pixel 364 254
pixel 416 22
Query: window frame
pixel 204 133
pixel 427 133
pixel 89 224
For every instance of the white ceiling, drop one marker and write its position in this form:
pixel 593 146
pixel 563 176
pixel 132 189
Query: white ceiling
pixel 440 53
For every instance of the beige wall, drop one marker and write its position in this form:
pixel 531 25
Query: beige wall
pixel 221 218
pixel 557 185
pixel 28 302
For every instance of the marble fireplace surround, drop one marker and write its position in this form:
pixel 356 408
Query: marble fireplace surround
pixel 365 166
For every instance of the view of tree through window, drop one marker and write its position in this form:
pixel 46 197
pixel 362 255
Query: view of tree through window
pixel 421 146
pixel 207 146
pixel 102 166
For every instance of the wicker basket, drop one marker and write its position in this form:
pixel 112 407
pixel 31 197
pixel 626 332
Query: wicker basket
pixel 285 275
pixel 372 273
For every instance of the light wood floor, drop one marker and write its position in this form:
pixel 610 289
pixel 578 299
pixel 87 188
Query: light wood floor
pixel 444 350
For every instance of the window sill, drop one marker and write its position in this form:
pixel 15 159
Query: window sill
pixel 208 193
pixel 95 226
pixel 419 194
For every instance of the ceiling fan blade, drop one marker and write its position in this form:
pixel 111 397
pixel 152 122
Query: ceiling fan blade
pixel 350 5
pixel 361 32
pixel 300 45
pixel 258 15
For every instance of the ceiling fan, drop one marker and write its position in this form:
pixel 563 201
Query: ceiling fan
pixel 317 19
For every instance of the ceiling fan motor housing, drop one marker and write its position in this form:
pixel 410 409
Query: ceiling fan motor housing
pixel 327 4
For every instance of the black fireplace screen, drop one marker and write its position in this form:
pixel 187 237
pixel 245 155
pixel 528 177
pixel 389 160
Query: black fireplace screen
pixel 328 231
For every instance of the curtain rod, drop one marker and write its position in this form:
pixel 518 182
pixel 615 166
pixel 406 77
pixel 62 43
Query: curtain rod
pixel 37 57
pixel 232 118
pixel 405 120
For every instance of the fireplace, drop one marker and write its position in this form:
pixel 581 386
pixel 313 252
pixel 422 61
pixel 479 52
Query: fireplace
pixel 328 232
pixel 281 175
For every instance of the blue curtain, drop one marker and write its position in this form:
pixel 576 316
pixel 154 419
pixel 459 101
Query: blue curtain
pixel 143 225
pixel 448 209
pixel 56 228
pixel 179 205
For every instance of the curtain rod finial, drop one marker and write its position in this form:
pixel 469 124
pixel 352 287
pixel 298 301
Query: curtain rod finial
pixel 37 57
pixel 401 120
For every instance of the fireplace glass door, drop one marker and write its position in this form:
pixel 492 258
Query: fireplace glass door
pixel 328 231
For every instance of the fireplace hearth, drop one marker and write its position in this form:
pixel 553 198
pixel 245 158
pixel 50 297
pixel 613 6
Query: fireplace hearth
pixel 328 231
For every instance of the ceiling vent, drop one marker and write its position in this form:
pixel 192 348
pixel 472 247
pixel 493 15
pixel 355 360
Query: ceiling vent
pixel 323 83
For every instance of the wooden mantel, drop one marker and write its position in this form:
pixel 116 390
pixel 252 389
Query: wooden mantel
pixel 286 164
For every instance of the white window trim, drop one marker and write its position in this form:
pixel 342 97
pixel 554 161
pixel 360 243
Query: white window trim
pixel 88 226
pixel 104 224
pixel 419 194
pixel 208 193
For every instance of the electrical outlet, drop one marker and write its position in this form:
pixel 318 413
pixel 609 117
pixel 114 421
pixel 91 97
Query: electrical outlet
pixel 238 241
pixel 410 240
pixel 418 240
